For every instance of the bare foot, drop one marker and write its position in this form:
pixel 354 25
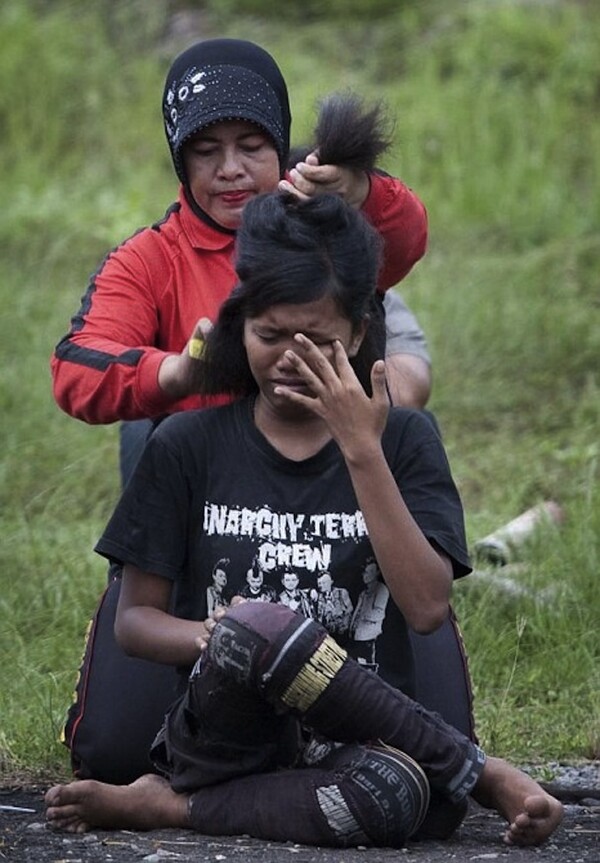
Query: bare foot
pixel 532 814
pixel 149 803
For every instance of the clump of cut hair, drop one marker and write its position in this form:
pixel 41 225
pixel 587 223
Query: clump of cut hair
pixel 348 133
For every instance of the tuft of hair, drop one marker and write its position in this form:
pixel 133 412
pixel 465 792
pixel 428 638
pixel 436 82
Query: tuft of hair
pixel 350 133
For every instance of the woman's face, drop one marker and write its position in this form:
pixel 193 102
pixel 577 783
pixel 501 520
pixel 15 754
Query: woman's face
pixel 226 165
pixel 268 336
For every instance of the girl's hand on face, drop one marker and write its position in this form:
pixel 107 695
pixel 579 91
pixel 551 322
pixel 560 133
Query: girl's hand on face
pixel 310 178
pixel 355 421
pixel 211 621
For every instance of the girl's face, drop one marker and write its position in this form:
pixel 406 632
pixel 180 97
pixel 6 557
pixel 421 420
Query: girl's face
pixel 269 335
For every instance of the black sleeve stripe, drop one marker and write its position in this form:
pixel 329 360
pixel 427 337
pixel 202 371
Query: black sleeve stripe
pixel 100 360
pixel 94 359
pixel 174 208
pixel 77 321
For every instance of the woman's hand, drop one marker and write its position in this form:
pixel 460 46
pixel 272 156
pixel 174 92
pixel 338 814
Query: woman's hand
pixel 309 178
pixel 355 421
pixel 178 373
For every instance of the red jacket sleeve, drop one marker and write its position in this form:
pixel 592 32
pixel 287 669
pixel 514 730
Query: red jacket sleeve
pixel 141 305
pixel 106 367
pixel 401 219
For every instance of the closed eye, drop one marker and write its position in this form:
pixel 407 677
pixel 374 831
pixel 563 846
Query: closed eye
pixel 267 338
pixel 252 148
pixel 203 152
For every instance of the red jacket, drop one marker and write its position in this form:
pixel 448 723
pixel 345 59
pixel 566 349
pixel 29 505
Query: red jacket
pixel 149 293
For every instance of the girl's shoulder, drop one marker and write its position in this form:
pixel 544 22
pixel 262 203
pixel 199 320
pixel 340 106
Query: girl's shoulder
pixel 223 420
pixel 412 423
pixel 411 433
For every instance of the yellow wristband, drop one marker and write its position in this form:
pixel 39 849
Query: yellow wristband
pixel 196 348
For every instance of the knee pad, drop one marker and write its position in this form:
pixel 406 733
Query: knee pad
pixel 381 793
pixel 242 640
pixel 286 655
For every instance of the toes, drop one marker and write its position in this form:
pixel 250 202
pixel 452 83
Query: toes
pixel 66 822
pixel 537 806
pixel 507 838
pixel 522 822
pixel 61 813
pixel 52 796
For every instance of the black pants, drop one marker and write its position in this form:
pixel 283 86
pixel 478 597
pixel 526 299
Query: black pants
pixel 236 741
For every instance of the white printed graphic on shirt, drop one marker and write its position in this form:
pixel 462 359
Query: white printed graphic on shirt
pixel 291 564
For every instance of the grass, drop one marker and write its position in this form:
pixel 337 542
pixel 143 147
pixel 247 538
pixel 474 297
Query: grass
pixel 498 131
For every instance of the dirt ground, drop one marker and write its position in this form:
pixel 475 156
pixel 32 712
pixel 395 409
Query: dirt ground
pixel 24 838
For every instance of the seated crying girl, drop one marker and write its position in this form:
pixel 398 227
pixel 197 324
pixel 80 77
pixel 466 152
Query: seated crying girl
pixel 285 729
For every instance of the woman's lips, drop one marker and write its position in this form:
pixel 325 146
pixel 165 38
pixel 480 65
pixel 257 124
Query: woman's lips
pixel 235 198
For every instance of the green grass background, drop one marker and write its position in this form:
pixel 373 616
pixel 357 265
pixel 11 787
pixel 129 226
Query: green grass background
pixel 497 127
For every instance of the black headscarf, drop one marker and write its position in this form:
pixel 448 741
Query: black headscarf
pixel 225 79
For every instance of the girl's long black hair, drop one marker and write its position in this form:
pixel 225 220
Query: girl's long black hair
pixel 293 252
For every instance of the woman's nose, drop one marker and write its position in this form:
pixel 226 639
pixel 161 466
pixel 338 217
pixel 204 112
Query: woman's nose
pixel 231 164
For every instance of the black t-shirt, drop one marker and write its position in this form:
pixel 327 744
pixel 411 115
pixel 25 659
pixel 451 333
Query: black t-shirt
pixel 213 507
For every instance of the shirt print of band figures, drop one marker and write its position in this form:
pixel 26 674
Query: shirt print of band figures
pixel 357 624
